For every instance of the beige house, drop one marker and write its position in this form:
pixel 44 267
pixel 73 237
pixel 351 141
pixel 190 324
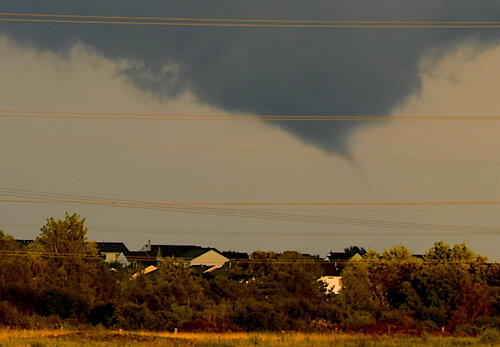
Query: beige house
pixel 333 284
pixel 189 254
pixel 114 252
pixel 209 258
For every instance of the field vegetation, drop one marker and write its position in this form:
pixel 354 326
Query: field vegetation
pixel 50 338
pixel 60 282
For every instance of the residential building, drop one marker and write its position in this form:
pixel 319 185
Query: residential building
pixel 114 252
pixel 189 254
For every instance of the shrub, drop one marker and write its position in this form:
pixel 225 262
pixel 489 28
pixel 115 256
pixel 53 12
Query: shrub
pixel 62 303
pixel 135 317
pixel 490 336
pixel 9 315
pixel 359 319
pixel 104 315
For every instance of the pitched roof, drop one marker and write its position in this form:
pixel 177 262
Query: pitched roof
pixel 235 255
pixel 24 242
pixel 148 270
pixel 177 251
pixel 194 253
pixel 331 268
pixel 139 256
pixel 332 256
pixel 118 247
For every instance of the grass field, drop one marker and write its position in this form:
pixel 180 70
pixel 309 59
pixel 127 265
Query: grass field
pixel 50 338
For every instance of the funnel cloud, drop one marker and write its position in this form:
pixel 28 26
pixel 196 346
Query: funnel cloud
pixel 268 71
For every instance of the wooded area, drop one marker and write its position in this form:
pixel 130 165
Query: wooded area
pixel 60 280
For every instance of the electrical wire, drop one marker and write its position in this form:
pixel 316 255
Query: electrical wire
pixel 248 23
pixel 232 149
pixel 213 208
pixel 221 117
pixel 272 233
pixel 240 19
pixel 263 261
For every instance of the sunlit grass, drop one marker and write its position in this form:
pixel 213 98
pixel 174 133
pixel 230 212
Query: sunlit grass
pixel 63 338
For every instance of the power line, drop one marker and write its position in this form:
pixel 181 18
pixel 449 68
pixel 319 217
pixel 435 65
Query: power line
pixel 263 261
pixel 247 203
pixel 232 149
pixel 213 208
pixel 248 23
pixel 222 117
pixel 241 19
pixel 272 233
pixel 428 160
pixel 50 254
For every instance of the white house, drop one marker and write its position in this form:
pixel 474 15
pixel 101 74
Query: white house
pixel 189 254
pixel 113 252
pixel 333 284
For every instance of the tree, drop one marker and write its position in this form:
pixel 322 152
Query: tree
pixel 282 286
pixel 169 298
pixel 353 250
pixel 65 236
pixel 8 258
pixel 359 300
pixel 15 277
pixel 7 242
pixel 452 285
pixel 395 273
pixel 493 280
pixel 71 277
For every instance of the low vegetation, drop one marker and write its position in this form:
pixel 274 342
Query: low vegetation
pixel 59 282
pixel 48 338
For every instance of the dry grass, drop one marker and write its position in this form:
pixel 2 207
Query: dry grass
pixel 29 334
pixel 165 338
pixel 110 338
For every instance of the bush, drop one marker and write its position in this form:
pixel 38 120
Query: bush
pixel 436 315
pixel 62 303
pixel 9 315
pixel 104 315
pixel 359 319
pixel 320 324
pixel 254 315
pixel 35 321
pixel 465 329
pixel 135 317
pixel 490 336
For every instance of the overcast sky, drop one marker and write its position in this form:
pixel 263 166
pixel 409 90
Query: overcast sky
pixel 388 73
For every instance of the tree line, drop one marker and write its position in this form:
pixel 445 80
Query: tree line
pixel 60 280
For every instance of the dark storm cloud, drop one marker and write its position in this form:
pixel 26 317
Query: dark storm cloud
pixel 269 71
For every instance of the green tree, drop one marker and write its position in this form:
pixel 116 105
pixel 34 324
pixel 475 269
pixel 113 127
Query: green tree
pixel 360 300
pixel 9 257
pixel 283 287
pixel 353 250
pixel 493 280
pixel 393 274
pixel 169 298
pixel 452 286
pixel 68 236
pixel 70 275
pixel 8 242
pixel 16 290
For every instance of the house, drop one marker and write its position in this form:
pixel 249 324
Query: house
pixel 189 254
pixel 337 261
pixel 24 243
pixel 141 257
pixel 145 271
pixel 232 255
pixel 333 284
pixel 114 252
pixel 332 270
